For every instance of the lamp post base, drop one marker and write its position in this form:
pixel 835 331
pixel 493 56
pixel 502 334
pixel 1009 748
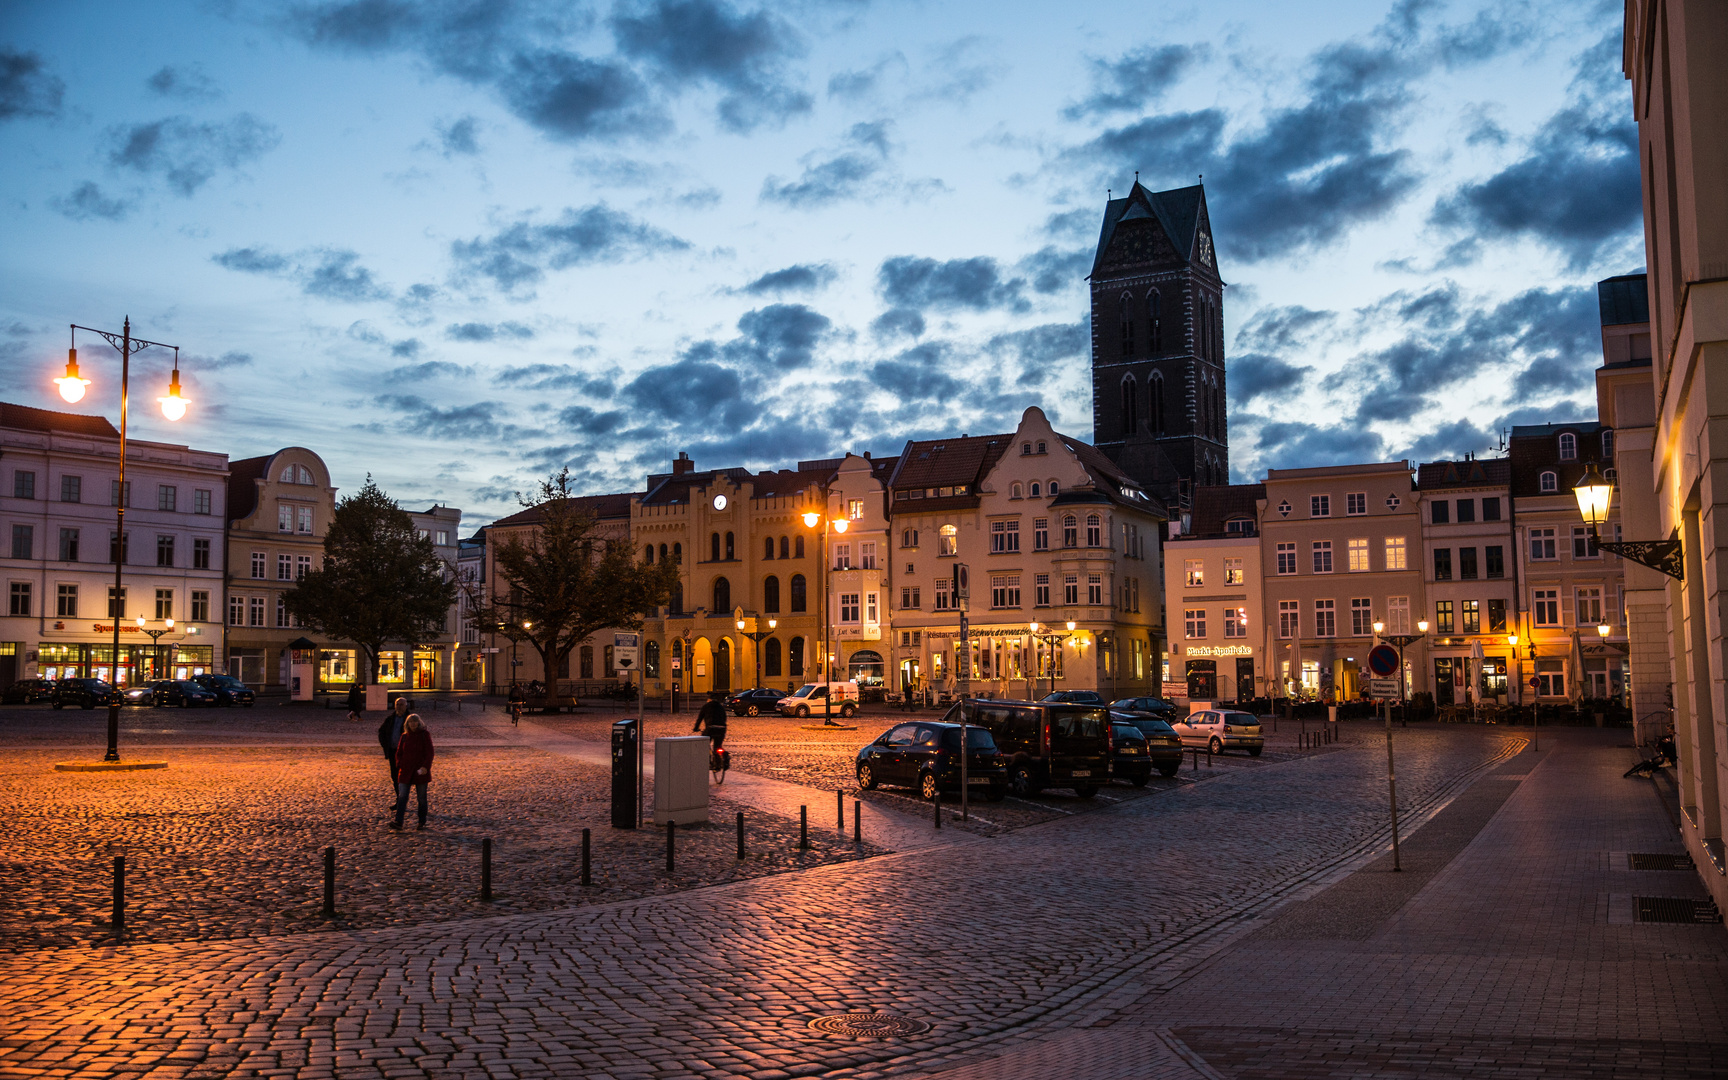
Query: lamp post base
pixel 107 766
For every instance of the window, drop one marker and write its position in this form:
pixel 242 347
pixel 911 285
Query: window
pixel 1232 571
pixel 66 602
pixel 1545 606
pixel 1319 506
pixel 236 611
pixel 1466 510
pixel 1041 590
pixel 200 611
pixel 1070 589
pixel 722 597
pixel 1325 618
pixel 164 550
pixel 796 597
pixel 1005 591
pixel 1134 594
pixel 1049 489
pixel 1442 564
pixel 1443 617
pixel 118 494
pixel 1398 614
pixel 1070 531
pixel 1130 398
pixel 1155 339
pixel 1004 536
pixel 284 518
pixel 729 547
pixel 24 484
pixel 855 509
pixel 200 501
pixel 908 539
pixel 1440 512
pixel 281 609
pixel 842 556
pixel 948 541
pixel 1094 530
pixel 849 607
pixel 68 545
pixel 785 552
pixel 166 496
pixel 1467 564
pixel 1361 616
pixel 1494 558
pixel 795 657
pixel 1322 550
pixel 1395 553
pixel 164 603
pixel 1155 403
pixel 1550 482
pixel 1356 503
pixel 303 520
pixel 302 567
pixel 1040 533
pixel 1239 525
pixel 1589 606
pixel 442 538
pixel 116 603
pixel 254 611
pixel 23 541
pixel 1236 622
pixel 1025 449
pixel 939 594
pixel 258 562
pixel 1568 446
pixel 1288 619
pixel 867 552
pixel 1127 324
pixel 1358 551
pixel 1582 548
pixel 678 552
pixel 71 489
pixel 1542 544
pixel 771 595
pixel 1194 622
pixel 119 547
pixel 1469 616
pixel 770 656
pixel 910 597
pixel 1095 589
pixel 1286 558
pixel 1194 572
pixel 20 600
pixel 284 568
pixel 1496 616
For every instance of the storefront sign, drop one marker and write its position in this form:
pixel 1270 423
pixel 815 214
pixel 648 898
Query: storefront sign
pixel 1174 690
pixel 108 628
pixel 1218 650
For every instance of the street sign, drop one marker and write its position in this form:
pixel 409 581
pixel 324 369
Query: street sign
pixel 1383 660
pixel 624 649
pixel 1535 682
pixel 1383 689
pixel 677 664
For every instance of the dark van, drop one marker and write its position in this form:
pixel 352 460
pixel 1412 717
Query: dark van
pixel 1048 744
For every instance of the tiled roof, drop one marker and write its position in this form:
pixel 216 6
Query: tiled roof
pixel 1215 505
pixel 943 463
pixel 1535 449
pixel 1474 472
pixel 1177 210
pixel 25 418
pixel 603 507
pixel 242 485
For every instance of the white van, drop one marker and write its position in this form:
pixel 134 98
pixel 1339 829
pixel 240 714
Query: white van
pixel 813 698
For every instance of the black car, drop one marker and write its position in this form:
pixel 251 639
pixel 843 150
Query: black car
pixel 1049 744
pixel 1163 745
pixel 925 754
pixel 186 694
pixel 28 692
pixel 1152 706
pixel 1132 759
pixel 754 702
pixel 228 689
pixel 1075 697
pixel 85 693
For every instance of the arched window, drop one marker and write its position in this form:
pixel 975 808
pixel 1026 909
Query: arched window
pixel 1041 446
pixel 1607 444
pixel 1155 404
pixel 1094 530
pixel 677 554
pixel 768 548
pixel 1154 308
pixel 771 595
pixel 662 552
pixel 713 547
pixel 771 657
pixel 648 556
pixel 950 541
pixel 729 555
pixel 723 665
pixel 1130 397
pixel 678 651
pixel 1127 325
pixel 797 597
pixel 785 547
pixel 1014 490
pixel 677 601
pixel 1070 531
pixel 651 660
pixel 1050 489
pixel 587 661
pixel 722 597
pixel 1568 447
pixel 1036 488
pixel 1550 482
pixel 795 657
pixel 1025 449
pixel 797 547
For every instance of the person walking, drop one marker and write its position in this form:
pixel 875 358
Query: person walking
pixel 712 716
pixel 413 768
pixel 356 702
pixel 390 734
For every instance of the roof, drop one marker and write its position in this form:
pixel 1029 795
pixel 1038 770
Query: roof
pixel 1624 299
pixel 1539 431
pixel 243 476
pixel 1178 211
pixel 1217 504
pixel 928 466
pixel 1471 472
pixel 1535 449
pixel 1116 485
pixel 602 507
pixel 25 418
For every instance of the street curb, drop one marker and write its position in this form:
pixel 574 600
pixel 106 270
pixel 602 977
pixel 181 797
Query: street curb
pixel 107 766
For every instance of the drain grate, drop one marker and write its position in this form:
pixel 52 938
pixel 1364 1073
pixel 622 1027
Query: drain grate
pixel 1638 860
pixel 1676 909
pixel 869 1025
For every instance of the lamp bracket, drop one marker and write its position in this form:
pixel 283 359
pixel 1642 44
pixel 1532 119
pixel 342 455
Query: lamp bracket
pixel 1663 555
pixel 118 341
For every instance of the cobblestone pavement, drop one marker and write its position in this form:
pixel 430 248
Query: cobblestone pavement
pixel 996 943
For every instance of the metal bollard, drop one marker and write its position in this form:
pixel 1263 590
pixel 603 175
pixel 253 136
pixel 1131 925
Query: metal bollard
pixel 119 895
pixel 936 804
pixel 1196 759
pixel 740 834
pixel 803 828
pixel 671 832
pixel 587 878
pixel 486 870
pixel 840 808
pixel 857 822
pixel 329 883
pixel 1208 756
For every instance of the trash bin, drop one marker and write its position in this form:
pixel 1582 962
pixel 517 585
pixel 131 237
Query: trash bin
pixel 1331 714
pixel 625 733
pixel 681 779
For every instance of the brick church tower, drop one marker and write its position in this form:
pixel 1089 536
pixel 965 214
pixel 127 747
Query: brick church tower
pixel 1158 343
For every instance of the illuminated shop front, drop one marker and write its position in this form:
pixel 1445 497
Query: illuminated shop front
pixel 138 663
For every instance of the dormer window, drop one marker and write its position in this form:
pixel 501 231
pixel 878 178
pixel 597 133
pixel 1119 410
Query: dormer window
pixel 1041 449
pixel 1035 489
pixel 1025 449
pixel 1052 489
pixel 1239 525
pixel 1568 447
pixel 1550 483
pixel 1014 491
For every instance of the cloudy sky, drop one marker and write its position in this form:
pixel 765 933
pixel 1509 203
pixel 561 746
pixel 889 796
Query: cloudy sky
pixel 459 243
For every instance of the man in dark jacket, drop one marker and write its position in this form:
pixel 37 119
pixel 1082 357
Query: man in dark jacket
pixel 713 717
pixel 356 702
pixel 389 735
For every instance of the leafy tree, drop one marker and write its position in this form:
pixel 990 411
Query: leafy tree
pixel 381 581
pixel 566 582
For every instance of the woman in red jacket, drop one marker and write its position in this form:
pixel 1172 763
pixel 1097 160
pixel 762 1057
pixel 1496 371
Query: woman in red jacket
pixel 413 768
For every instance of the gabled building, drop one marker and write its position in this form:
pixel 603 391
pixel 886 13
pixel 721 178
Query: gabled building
pixel 1214 592
pixel 1469 567
pixel 279 507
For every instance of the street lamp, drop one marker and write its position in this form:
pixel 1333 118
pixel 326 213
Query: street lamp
pixel 72 386
pixel 1594 493
pixel 756 637
pixel 1402 640
pixel 168 628
pixel 1052 641
pixel 1399 640
pixel 829 525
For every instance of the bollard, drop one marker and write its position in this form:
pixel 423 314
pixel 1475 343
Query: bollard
pixel 803 828
pixel 329 883
pixel 936 804
pixel 840 808
pixel 486 870
pixel 1196 759
pixel 740 834
pixel 1208 755
pixel 587 878
pixel 119 895
pixel 857 822
pixel 671 832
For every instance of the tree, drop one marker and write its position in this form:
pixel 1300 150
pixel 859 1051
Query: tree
pixel 381 581
pixel 565 582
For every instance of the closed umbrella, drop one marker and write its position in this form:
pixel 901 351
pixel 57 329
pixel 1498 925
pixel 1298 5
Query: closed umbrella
pixel 1577 688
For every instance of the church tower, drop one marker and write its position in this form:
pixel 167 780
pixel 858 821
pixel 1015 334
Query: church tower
pixel 1158 343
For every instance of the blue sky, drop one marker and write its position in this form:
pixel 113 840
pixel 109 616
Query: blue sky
pixel 457 244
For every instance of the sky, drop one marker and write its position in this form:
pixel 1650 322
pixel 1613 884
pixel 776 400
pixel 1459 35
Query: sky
pixel 460 244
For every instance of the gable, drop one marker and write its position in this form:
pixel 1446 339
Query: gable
pixel 1138 242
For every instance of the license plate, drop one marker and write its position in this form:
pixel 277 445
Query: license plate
pixel 977 779
pixel 1081 772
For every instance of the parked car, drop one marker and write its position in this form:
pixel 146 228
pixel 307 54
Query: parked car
pixel 147 693
pixel 28 692
pixel 1219 730
pixel 813 698
pixel 925 754
pixel 85 693
pixel 1048 744
pixel 1152 706
pixel 1163 745
pixel 187 694
pixel 228 689
pixel 1075 697
pixel 1131 759
pixel 754 702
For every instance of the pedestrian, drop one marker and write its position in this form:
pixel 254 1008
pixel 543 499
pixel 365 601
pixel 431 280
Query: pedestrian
pixel 413 768
pixel 390 734
pixel 356 702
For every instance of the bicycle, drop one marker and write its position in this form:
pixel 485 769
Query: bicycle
pixel 1665 755
pixel 515 714
pixel 718 762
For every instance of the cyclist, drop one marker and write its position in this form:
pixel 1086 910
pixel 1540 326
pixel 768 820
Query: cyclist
pixel 517 700
pixel 712 716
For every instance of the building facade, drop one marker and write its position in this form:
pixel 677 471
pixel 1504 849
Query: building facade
pixel 1214 591
pixel 59 489
pixel 1469 566
pixel 279 508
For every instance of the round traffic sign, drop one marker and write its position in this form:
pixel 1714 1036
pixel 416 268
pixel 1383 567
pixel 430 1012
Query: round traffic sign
pixel 1383 660
pixel 1535 682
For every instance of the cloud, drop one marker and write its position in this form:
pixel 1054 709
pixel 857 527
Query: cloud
pixel 1256 374
pixel 559 377
pixel 407 348
pixel 430 369
pixel 1300 445
pixel 742 54
pixel 837 176
pixel 188 154
pixel 328 273
pixel 479 420
pixel 87 201
pixel 1135 80
pixel 918 373
pixel 691 391
pixel 252 260
pixel 862 82
pixel 783 336
pixel 1045 346
pixel 519 255
pixel 975 284
pixel 574 98
pixel 1449 442
pixel 959 74
pixel 26 87
pixel 802 277
pixel 460 136
pixel 186 83
pixel 474 331
pixel 897 321
pixel 1052 269
pixel 588 421
pixel 1284 328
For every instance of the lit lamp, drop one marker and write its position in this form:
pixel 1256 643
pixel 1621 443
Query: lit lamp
pixel 1595 493
pixel 755 636
pixel 812 519
pixel 173 405
pixel 1052 641
pixel 72 384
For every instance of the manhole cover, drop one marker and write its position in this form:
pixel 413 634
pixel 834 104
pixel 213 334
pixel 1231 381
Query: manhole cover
pixel 1638 860
pixel 1672 909
pixel 870 1025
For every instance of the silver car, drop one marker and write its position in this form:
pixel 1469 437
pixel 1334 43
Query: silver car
pixel 1219 730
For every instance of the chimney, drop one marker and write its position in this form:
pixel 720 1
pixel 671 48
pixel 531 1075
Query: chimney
pixel 683 464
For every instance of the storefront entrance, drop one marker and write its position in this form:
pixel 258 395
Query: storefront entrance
pixel 425 670
pixel 1203 680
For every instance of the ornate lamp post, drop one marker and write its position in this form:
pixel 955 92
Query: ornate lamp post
pixel 1594 493
pixel 1052 641
pixel 1399 640
pixel 72 386
pixel 167 628
pixel 835 526
pixel 1402 640
pixel 756 637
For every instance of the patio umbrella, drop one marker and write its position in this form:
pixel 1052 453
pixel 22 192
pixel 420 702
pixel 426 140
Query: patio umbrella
pixel 1577 688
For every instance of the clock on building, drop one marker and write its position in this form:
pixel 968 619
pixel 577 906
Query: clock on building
pixel 1205 249
pixel 719 502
